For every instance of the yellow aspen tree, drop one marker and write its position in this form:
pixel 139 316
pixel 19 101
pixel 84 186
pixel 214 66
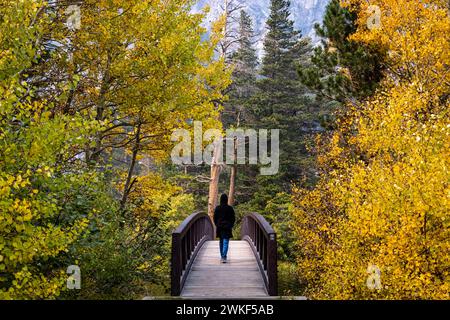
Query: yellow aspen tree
pixel 33 145
pixel 377 224
pixel 144 69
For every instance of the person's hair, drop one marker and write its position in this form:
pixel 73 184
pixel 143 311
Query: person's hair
pixel 223 199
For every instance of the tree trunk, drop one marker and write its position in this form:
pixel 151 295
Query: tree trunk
pixel 214 181
pixel 232 190
pixel 229 8
pixel 95 152
pixel 129 182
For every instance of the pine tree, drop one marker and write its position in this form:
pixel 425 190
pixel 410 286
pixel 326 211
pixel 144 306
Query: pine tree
pixel 342 69
pixel 280 42
pixel 245 63
pixel 282 101
pixel 245 58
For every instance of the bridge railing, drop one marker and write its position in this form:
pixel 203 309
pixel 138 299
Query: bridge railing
pixel 187 239
pixel 263 241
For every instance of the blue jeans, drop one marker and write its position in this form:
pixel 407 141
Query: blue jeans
pixel 223 246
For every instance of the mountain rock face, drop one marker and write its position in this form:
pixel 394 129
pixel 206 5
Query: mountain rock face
pixel 305 14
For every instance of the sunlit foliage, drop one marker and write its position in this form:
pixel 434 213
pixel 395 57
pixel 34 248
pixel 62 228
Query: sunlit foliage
pixel 383 199
pixel 80 107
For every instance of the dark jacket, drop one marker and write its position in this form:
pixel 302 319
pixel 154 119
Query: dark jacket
pixel 224 219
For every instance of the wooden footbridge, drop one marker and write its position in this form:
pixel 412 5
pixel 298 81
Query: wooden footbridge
pixel 251 271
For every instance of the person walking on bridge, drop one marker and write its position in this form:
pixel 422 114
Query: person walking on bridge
pixel 224 219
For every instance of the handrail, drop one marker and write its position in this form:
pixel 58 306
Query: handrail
pixel 187 240
pixel 263 241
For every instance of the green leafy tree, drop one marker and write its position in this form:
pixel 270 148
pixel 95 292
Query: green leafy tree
pixel 38 166
pixel 81 113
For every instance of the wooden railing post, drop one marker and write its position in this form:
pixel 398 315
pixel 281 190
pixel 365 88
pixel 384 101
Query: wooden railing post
pixel 272 264
pixel 176 265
